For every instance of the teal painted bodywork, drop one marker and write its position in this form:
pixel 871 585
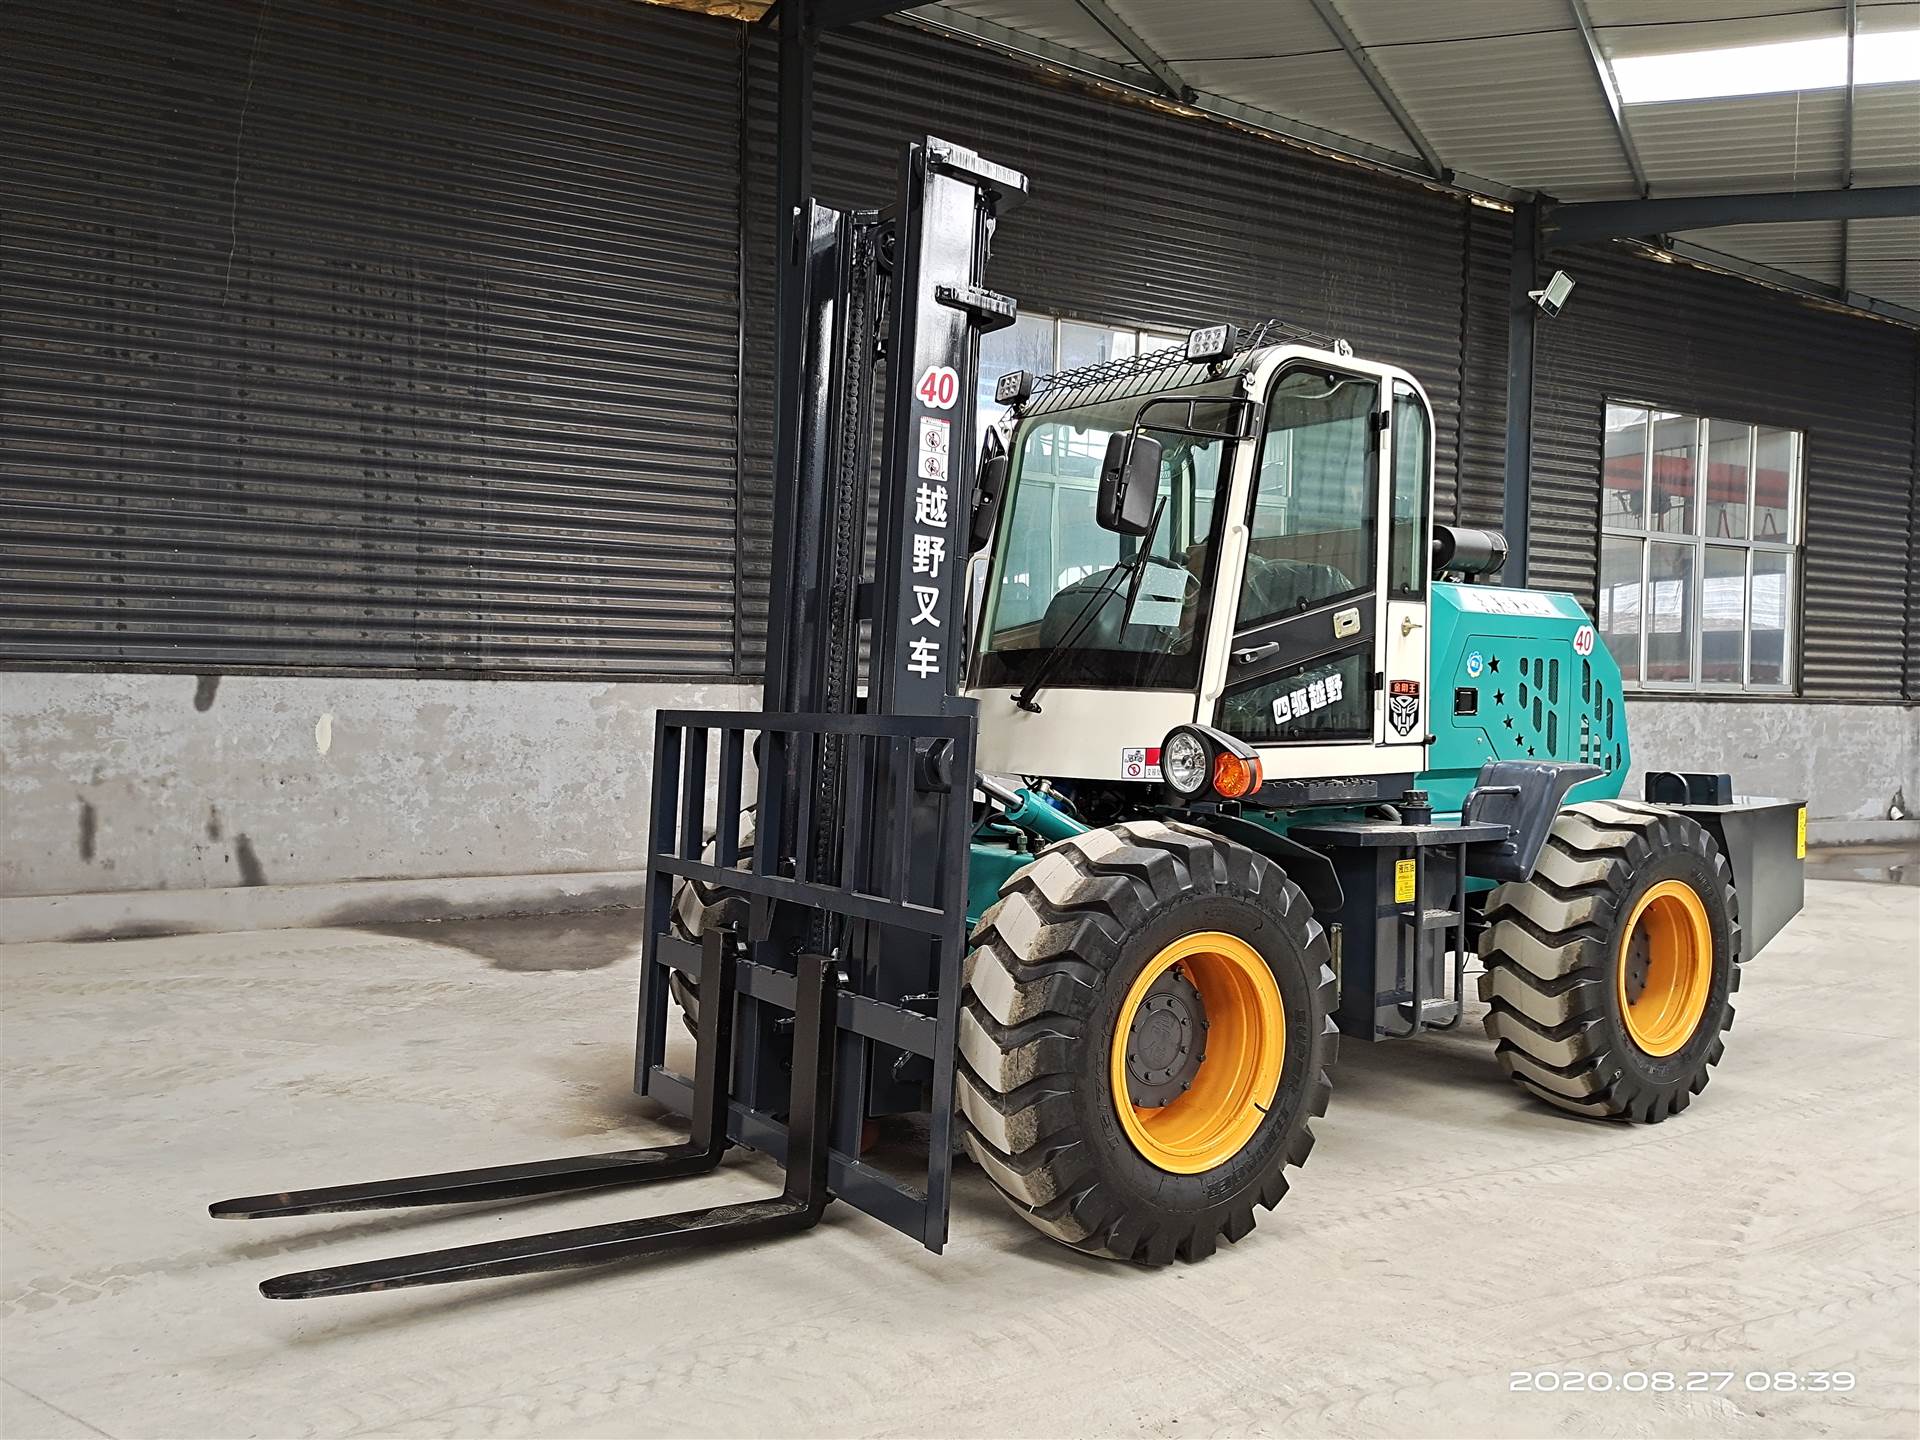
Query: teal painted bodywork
pixel 1005 842
pixel 997 852
pixel 1535 697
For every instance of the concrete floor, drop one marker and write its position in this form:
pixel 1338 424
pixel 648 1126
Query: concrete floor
pixel 1447 1233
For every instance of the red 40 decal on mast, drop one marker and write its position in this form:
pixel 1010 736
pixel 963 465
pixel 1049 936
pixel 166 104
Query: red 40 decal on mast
pixel 939 387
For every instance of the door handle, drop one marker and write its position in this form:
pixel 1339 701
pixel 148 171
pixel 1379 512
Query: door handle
pixel 1408 625
pixel 1255 653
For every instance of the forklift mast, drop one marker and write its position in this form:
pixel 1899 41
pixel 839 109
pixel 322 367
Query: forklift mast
pixel 864 807
pixel 832 991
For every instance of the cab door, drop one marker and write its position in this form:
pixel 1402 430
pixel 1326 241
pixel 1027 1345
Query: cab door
pixel 1404 718
pixel 1307 635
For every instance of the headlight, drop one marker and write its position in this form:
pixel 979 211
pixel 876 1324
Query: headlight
pixel 1184 762
pixel 1197 759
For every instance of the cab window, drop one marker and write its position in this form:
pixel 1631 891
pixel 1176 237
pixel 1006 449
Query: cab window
pixel 1311 532
pixel 1055 579
pixel 1412 494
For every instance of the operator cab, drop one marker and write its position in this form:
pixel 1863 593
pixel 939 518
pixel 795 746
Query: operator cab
pixel 1275 588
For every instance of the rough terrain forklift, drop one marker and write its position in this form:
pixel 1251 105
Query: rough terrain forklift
pixel 1141 759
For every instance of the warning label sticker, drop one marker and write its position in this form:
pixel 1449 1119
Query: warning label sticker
pixel 936 447
pixel 1140 762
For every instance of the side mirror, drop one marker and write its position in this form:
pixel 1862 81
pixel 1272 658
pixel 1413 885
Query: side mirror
pixel 989 485
pixel 1129 483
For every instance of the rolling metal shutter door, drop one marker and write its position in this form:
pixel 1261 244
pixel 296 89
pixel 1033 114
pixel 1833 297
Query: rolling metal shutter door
pixel 1721 346
pixel 396 336
pixel 1136 217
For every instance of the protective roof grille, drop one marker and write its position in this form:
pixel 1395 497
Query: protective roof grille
pixel 1133 374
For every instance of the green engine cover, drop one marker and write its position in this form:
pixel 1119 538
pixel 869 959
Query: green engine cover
pixel 1519 675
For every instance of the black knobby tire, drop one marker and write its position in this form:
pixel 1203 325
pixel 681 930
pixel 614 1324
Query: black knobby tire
pixel 1553 950
pixel 1051 966
pixel 697 908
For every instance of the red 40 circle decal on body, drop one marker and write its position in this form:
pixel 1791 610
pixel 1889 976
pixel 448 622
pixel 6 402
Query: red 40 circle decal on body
pixel 938 388
pixel 1583 640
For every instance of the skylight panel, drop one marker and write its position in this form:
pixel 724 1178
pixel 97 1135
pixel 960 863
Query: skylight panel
pixel 1884 59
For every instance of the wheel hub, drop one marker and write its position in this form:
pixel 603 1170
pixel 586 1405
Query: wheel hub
pixel 1638 958
pixel 1166 1042
pixel 1664 978
pixel 1197 1052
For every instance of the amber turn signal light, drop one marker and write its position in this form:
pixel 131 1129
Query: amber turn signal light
pixel 1234 776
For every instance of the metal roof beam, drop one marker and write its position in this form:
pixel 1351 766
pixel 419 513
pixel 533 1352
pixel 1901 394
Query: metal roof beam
pixel 1357 53
pixel 838 14
pixel 1846 143
pixel 1798 284
pixel 1129 40
pixel 1620 219
pixel 941 19
pixel 1846 146
pixel 1846 150
pixel 1603 72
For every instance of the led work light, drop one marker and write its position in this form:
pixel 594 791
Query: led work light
pixel 1209 342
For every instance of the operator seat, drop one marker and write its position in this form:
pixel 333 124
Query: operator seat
pixel 1103 629
pixel 1269 588
pixel 1274 587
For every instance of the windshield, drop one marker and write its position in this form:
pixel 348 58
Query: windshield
pixel 1054 574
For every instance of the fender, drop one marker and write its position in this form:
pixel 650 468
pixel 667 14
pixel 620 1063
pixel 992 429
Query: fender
pixel 1523 795
pixel 1311 870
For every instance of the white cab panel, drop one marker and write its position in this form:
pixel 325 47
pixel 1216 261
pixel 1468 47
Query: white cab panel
pixel 1078 734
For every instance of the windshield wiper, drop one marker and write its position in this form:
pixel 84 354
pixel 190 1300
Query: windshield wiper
pixel 1129 569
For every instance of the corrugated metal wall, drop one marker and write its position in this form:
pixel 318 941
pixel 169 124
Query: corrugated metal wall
pixel 1722 346
pixel 1483 409
pixel 404 336
pixel 1136 217
pixel 1913 552
pixel 398 336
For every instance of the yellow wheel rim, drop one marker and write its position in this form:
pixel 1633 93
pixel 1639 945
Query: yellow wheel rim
pixel 1664 971
pixel 1239 1072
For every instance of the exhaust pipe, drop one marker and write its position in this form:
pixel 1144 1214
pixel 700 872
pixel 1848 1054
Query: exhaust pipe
pixel 1463 550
